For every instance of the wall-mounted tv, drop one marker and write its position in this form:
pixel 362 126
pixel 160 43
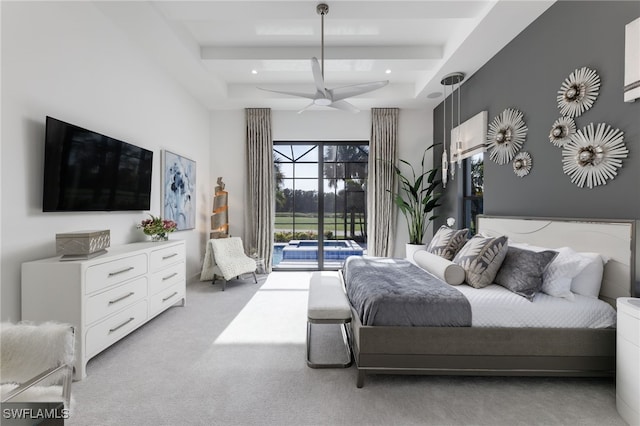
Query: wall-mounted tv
pixel 87 171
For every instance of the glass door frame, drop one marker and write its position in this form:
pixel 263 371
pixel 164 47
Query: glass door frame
pixel 320 145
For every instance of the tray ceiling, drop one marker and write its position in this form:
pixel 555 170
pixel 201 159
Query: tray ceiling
pixel 221 51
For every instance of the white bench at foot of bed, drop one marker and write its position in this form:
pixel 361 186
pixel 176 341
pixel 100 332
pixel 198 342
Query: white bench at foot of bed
pixel 328 305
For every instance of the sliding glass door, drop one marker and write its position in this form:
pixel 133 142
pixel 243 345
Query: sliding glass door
pixel 320 203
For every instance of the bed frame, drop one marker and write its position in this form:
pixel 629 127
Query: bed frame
pixel 512 351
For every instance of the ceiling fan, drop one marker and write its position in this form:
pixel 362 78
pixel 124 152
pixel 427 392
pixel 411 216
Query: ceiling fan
pixel 333 98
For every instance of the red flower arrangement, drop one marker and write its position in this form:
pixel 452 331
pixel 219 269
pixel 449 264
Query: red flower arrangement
pixel 158 228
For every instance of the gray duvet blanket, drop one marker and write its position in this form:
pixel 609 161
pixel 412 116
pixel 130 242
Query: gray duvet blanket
pixel 395 292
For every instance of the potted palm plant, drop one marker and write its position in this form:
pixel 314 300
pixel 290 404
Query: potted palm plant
pixel 416 198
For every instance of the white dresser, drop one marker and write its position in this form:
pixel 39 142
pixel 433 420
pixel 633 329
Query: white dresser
pixel 106 297
pixel 628 360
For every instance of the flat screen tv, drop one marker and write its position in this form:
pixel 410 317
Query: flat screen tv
pixel 87 171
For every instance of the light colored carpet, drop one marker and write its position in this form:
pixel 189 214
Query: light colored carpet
pixel 238 358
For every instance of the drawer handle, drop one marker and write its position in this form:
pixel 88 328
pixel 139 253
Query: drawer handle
pixel 169 276
pixel 121 325
pixel 169 256
pixel 111 302
pixel 169 297
pixel 121 271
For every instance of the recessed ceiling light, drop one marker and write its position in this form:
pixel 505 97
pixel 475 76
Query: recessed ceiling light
pixel 434 95
pixel 387 72
pixel 254 71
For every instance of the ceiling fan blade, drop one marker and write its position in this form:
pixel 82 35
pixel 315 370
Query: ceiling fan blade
pixel 344 106
pixel 357 89
pixel 317 74
pixel 305 108
pixel 299 94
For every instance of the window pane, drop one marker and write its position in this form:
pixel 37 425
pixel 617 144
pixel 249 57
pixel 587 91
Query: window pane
pixel 333 171
pixel 352 153
pixel 306 170
pixel 287 184
pixel 472 208
pixel 306 184
pixel 330 153
pixel 282 153
pixel 286 169
pixel 356 170
pixel 333 185
pixel 477 175
pixel 305 152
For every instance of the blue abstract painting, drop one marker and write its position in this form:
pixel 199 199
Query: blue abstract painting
pixel 179 186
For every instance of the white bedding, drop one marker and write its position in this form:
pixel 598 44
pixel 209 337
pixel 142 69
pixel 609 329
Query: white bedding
pixel 495 306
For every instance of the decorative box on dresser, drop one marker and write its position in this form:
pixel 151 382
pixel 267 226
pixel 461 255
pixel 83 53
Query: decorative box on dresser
pixel 106 297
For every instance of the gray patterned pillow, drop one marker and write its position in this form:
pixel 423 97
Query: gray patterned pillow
pixel 481 257
pixel 446 242
pixel 521 271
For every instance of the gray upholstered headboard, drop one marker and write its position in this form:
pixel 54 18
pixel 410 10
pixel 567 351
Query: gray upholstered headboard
pixel 614 239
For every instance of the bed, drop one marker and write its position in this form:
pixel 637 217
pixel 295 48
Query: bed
pixel 517 351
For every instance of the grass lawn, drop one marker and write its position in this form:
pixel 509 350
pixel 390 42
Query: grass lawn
pixel 309 222
pixel 334 224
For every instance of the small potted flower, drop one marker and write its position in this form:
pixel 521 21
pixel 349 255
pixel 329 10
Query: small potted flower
pixel 157 228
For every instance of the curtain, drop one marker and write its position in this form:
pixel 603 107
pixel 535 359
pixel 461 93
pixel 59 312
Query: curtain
pixel 261 189
pixel 381 217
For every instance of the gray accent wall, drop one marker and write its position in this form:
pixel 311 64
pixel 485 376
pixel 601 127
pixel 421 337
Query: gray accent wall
pixel 526 75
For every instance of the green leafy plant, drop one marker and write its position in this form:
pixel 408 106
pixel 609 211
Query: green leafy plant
pixel 417 197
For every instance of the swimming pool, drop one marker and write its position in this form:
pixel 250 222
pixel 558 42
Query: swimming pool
pixel 314 243
pixel 308 250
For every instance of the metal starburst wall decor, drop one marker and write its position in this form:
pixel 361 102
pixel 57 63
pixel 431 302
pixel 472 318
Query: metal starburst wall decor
pixel 562 131
pixel 522 164
pixel 593 156
pixel 506 135
pixel 578 92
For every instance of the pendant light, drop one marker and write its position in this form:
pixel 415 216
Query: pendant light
pixel 459 140
pixel 445 157
pixel 451 80
pixel 451 146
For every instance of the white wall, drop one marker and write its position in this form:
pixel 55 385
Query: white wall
pixel 228 131
pixel 415 134
pixel 228 159
pixel 67 60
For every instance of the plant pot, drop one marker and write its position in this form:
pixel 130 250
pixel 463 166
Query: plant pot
pixel 160 237
pixel 411 249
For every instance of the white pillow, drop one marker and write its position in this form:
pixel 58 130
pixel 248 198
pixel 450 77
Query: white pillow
pixel 556 280
pixel 589 280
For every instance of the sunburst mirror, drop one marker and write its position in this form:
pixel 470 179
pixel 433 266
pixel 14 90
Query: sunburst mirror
pixel 593 156
pixel 506 135
pixel 578 92
pixel 522 164
pixel 562 130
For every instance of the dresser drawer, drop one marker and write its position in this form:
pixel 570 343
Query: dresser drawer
pixel 104 304
pixel 166 278
pixel 167 256
pixel 109 331
pixel 106 274
pixel 164 299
